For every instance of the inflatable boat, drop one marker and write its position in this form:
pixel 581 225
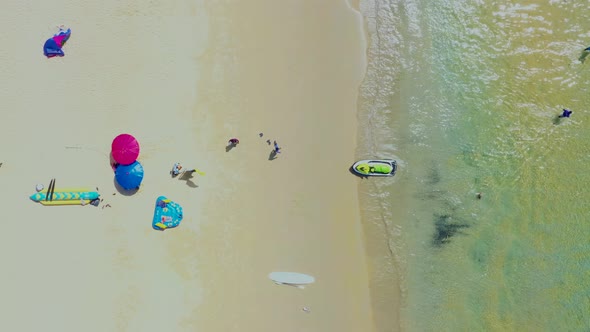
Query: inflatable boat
pixel 167 214
pixel 383 167
pixel 77 196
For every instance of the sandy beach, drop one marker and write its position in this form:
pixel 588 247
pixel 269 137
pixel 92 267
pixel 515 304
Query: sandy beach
pixel 183 77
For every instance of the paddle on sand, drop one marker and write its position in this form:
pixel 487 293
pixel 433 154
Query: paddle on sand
pixel 52 191
pixel 198 172
pixel 48 194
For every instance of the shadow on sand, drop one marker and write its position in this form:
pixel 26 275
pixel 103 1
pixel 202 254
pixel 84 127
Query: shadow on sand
pixel 187 177
pixel 229 147
pixel 291 285
pixel 112 162
pixel 272 155
pixel 123 191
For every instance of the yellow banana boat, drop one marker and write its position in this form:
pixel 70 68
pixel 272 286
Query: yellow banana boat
pixel 66 196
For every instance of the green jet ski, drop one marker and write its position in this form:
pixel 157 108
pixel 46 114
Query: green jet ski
pixel 384 167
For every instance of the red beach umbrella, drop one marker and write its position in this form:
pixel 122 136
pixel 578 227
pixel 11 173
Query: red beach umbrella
pixel 125 149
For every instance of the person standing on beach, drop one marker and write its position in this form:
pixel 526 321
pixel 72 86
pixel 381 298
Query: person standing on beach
pixel 234 141
pixel 277 149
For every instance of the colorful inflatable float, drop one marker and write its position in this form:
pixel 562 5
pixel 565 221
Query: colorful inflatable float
pixel 68 196
pixel 167 214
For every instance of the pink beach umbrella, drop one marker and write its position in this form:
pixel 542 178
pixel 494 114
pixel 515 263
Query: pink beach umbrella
pixel 125 149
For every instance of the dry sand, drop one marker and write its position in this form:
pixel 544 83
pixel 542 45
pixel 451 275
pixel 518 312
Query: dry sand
pixel 183 77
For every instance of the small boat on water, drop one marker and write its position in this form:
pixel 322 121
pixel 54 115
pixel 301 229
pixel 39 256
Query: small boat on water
pixel 380 167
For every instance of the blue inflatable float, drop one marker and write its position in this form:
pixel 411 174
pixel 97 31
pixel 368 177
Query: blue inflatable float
pixel 167 214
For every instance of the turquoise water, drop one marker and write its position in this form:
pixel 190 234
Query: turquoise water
pixel 465 94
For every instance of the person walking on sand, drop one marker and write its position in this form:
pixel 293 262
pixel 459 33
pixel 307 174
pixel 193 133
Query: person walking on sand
pixel 234 141
pixel 277 149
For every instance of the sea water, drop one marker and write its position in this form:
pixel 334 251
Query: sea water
pixel 465 95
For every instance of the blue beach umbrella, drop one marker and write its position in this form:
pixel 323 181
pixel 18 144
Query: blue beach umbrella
pixel 129 176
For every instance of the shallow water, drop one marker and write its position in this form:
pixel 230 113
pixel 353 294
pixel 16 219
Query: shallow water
pixel 465 94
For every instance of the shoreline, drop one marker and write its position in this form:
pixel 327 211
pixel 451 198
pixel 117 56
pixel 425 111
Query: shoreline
pixel 383 267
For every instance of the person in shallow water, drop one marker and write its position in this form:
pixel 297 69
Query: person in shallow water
pixel 566 113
